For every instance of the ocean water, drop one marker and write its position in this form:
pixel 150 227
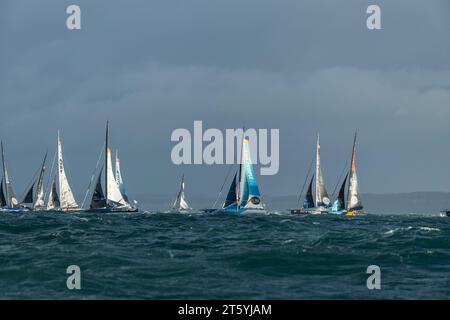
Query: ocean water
pixel 198 256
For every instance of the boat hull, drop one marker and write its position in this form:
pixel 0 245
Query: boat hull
pixel 446 213
pixel 14 210
pixel 320 210
pixel 235 210
pixel 112 210
pixel 351 213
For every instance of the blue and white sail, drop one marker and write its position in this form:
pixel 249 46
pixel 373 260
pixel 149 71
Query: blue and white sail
pixel 249 195
pixel 244 195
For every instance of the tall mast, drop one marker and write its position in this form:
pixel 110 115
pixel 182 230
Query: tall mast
pixel 317 169
pixel 4 175
pixel 238 193
pixel 106 163
pixel 352 162
pixel 59 165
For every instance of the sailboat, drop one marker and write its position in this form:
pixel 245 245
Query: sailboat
pixel 321 195
pixel 180 204
pixel 35 200
pixel 112 200
pixel 8 200
pixel 61 197
pixel 353 205
pixel 243 195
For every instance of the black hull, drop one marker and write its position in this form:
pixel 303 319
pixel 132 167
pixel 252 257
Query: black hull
pixel 300 211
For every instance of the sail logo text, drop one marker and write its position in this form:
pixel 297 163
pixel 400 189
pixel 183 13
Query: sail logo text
pixel 190 149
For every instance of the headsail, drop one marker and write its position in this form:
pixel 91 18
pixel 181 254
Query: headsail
pixel 11 200
pixel 309 201
pixel 180 202
pixel 353 196
pixel 231 196
pixel 322 198
pixel 39 199
pixel 119 179
pixel 2 196
pixel 29 195
pixel 67 200
pixel 113 192
pixel 53 198
pixel 98 197
pixel 339 203
pixel 249 195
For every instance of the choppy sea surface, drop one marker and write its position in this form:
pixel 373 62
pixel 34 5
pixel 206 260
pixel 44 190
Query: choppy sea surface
pixel 198 256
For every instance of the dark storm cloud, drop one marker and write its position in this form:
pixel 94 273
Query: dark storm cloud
pixel 302 66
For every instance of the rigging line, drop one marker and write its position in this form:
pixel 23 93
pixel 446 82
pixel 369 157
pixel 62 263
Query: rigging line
pixel 304 183
pixel 221 188
pixel 92 177
pixel 50 178
pixel 340 177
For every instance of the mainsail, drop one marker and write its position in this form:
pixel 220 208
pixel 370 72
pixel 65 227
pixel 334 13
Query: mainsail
pixel 119 179
pixel 309 201
pixel 322 198
pixel 249 195
pixel 11 200
pixel 180 202
pixel 67 200
pixel 353 196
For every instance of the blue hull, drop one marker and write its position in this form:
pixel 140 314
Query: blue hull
pixel 14 210
pixel 234 210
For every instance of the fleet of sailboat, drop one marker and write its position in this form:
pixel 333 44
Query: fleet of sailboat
pixel 109 194
pixel 350 207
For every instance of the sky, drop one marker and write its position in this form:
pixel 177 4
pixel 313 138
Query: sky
pixel 302 67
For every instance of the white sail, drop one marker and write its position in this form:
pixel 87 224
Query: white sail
pixel 354 198
pixel 114 193
pixel 66 198
pixel 321 192
pixel 40 194
pixel 50 203
pixel 39 198
pixel 180 202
